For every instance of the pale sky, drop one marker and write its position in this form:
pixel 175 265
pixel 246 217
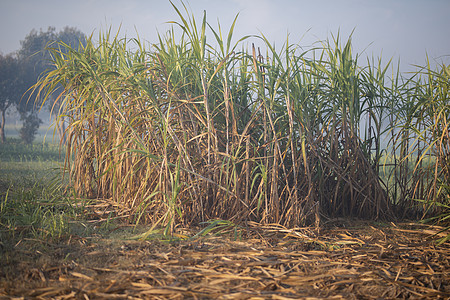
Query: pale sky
pixel 405 29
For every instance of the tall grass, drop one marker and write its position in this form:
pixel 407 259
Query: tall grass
pixel 186 132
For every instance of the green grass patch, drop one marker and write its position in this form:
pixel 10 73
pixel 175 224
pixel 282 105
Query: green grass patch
pixel 14 150
pixel 33 200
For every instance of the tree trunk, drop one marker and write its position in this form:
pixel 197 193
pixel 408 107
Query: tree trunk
pixel 2 128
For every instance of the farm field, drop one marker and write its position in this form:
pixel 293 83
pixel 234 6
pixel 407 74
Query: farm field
pixel 197 168
pixel 94 256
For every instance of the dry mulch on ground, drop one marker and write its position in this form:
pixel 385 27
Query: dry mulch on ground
pixel 362 261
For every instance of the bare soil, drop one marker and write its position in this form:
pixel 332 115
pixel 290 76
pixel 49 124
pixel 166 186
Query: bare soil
pixel 356 260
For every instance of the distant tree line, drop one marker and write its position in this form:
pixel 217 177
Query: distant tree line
pixel 20 70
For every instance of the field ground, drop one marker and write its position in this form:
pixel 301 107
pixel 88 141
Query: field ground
pixel 350 261
pixel 62 251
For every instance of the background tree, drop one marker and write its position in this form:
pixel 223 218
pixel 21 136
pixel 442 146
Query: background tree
pixel 29 128
pixel 9 88
pixel 35 59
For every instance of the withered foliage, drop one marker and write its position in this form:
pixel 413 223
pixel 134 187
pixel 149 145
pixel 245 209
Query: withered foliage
pixel 271 262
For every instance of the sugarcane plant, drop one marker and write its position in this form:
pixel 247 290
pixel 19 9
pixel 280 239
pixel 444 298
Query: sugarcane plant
pixel 189 130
